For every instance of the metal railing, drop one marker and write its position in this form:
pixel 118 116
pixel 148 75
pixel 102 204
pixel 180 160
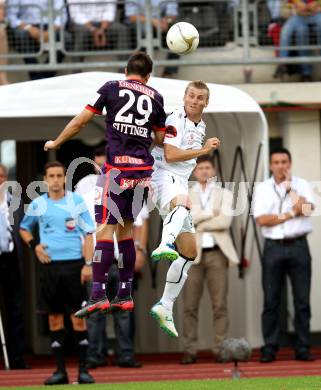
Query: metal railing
pixel 65 37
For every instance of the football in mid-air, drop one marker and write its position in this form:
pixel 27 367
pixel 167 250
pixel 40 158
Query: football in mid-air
pixel 182 38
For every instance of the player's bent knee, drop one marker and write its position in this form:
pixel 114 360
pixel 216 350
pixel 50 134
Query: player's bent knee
pixel 189 257
pixel 181 200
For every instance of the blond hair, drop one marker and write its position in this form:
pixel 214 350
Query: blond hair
pixel 199 84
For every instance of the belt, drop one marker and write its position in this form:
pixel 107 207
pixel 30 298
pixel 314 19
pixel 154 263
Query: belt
pixel 214 248
pixel 288 241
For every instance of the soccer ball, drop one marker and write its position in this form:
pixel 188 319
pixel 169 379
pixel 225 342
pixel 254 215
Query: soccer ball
pixel 182 38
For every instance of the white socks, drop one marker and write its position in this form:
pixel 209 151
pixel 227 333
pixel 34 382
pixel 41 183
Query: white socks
pixel 173 224
pixel 175 279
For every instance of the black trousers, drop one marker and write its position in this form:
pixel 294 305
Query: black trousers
pixel 281 259
pixel 11 294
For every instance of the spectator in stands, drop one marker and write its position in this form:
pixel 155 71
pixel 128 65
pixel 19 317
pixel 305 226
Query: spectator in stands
pixel 11 258
pixel 3 42
pixel 215 252
pixel 95 26
pixel 123 321
pixel 282 206
pixel 134 13
pixel 65 255
pixel 28 21
pixel 305 14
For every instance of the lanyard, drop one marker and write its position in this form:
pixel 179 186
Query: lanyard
pixel 281 198
pixel 204 200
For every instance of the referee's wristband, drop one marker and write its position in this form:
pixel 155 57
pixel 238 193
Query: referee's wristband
pixel 32 244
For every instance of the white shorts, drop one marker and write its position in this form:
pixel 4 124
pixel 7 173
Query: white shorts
pixel 165 186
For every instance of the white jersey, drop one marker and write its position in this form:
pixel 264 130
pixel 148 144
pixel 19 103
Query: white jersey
pixel 189 136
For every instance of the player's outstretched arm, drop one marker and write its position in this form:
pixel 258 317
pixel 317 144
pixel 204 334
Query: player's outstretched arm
pixel 72 128
pixel 175 154
pixel 159 137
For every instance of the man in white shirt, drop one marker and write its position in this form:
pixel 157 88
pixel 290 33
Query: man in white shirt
pixel 185 133
pixel 212 215
pixel 95 26
pixel 282 206
pixel 29 25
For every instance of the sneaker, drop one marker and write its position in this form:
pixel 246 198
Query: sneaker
pixel 188 358
pixel 84 377
pixel 57 378
pixel 131 363
pixel 164 318
pixel 122 304
pixel 165 252
pixel 92 306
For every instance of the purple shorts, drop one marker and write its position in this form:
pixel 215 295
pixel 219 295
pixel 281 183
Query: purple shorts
pixel 119 195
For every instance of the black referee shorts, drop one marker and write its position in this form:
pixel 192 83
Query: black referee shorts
pixel 61 290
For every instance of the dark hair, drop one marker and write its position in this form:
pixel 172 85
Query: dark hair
pixel 139 63
pixel 205 158
pixel 53 164
pixel 281 150
pixel 100 151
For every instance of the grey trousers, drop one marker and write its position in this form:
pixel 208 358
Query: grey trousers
pixel 214 269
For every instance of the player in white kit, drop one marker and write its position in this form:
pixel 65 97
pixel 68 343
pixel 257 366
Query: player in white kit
pixel 185 133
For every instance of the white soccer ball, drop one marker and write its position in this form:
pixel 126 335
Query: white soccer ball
pixel 182 38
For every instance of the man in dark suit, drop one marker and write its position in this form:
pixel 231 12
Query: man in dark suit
pixel 10 275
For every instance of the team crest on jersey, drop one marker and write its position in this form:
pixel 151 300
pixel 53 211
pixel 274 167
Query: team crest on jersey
pixel 191 139
pixel 70 224
pixel 98 195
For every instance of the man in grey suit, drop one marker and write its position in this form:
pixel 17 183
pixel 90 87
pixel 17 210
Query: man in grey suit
pixel 215 252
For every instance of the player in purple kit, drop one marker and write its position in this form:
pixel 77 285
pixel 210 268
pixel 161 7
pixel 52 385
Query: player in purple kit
pixel 134 111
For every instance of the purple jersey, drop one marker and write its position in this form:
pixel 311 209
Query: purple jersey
pixel 134 110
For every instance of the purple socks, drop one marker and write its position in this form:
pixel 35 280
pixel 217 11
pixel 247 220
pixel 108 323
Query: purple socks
pixel 103 259
pixel 126 265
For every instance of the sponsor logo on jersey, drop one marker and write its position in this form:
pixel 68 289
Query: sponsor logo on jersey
pixel 126 183
pixel 128 160
pixel 70 224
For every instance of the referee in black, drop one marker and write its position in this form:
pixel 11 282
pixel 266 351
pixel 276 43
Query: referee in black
pixel 65 251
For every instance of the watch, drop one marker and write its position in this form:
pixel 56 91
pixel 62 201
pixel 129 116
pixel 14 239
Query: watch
pixel 89 263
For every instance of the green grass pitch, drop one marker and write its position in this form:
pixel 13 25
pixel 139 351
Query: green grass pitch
pixel 293 383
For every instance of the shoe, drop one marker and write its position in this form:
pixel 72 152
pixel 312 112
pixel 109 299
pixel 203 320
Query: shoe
pixel 304 356
pixel 94 362
pixel 57 378
pixel 188 359
pixel 267 357
pixel 218 358
pixel 164 318
pixel 165 252
pixel 84 377
pixel 92 306
pixel 122 304
pixel 131 363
